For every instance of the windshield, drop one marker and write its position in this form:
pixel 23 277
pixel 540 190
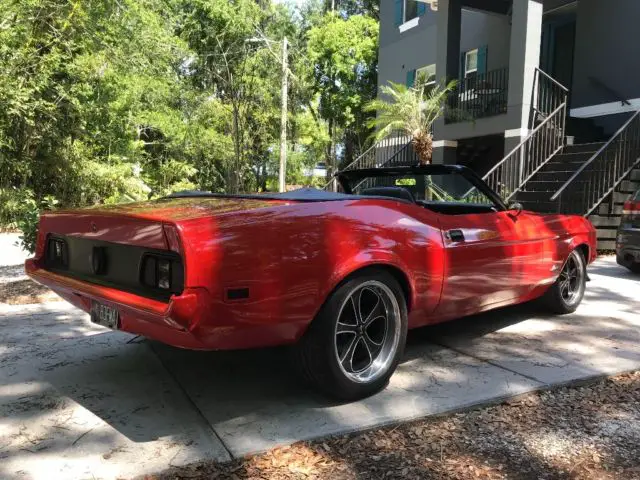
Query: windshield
pixel 447 188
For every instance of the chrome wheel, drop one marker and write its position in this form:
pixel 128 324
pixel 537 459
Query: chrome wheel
pixel 367 332
pixel 571 280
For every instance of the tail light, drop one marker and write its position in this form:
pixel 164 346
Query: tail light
pixel 162 273
pixel 57 253
pixel 631 207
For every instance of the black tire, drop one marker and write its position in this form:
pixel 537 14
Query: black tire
pixel 563 297
pixel 634 267
pixel 318 351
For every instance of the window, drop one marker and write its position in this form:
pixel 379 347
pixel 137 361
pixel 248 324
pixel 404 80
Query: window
pixel 427 74
pixel 410 10
pixel 471 63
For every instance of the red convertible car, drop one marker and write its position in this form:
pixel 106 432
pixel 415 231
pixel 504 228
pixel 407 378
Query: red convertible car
pixel 340 276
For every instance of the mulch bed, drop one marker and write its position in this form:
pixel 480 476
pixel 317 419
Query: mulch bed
pixel 582 432
pixel 23 292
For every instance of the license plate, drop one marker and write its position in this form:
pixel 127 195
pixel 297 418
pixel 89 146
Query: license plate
pixel 105 316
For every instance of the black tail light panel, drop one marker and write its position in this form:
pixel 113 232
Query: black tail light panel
pixel 150 273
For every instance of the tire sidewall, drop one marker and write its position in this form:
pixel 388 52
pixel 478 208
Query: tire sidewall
pixel 326 321
pixel 558 303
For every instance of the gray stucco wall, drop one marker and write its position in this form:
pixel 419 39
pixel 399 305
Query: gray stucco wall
pixel 607 35
pixel 480 29
pixel 415 48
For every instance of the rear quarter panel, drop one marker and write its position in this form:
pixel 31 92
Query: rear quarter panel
pixel 291 258
pixel 568 232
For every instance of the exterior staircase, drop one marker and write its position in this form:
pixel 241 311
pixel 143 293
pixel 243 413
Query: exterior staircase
pixel 536 194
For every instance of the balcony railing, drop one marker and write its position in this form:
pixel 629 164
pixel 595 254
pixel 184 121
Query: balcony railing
pixel 478 96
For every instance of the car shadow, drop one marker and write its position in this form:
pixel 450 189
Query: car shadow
pixel 146 390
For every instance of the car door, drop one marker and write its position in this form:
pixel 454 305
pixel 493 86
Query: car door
pixel 483 262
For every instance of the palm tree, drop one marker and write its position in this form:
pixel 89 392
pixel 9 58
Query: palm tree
pixel 411 110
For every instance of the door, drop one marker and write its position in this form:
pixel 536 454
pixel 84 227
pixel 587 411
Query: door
pixel 484 262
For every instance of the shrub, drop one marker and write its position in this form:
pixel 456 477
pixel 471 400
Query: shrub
pixel 28 223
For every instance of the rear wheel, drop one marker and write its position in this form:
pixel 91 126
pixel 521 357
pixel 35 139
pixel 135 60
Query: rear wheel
pixel 567 292
pixel 353 346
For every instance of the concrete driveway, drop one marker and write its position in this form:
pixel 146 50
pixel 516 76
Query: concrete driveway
pixel 78 401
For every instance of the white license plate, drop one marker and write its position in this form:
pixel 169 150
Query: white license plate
pixel 105 316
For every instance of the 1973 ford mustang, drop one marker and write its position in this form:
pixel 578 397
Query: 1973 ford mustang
pixel 339 276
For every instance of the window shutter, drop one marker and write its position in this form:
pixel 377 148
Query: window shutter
pixel 482 60
pixel 411 78
pixel 399 7
pixel 463 60
pixel 422 8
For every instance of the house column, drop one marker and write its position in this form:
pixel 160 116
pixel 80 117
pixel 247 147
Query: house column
pixel 445 152
pixel 524 57
pixel 449 23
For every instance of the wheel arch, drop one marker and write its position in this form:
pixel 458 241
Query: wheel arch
pixel 585 250
pixel 397 272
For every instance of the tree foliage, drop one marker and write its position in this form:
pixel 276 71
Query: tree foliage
pixel 410 110
pixel 105 101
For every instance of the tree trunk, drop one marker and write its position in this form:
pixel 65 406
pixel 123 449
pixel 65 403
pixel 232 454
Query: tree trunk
pixel 423 146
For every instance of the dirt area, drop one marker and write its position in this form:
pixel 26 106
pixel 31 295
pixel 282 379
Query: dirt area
pixel 24 292
pixel 582 432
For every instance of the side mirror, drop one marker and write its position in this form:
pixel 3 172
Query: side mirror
pixel 515 209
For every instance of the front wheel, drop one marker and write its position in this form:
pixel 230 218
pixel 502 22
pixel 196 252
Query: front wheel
pixel 567 292
pixel 353 346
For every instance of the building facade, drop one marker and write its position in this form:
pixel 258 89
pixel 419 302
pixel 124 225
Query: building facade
pixel 494 49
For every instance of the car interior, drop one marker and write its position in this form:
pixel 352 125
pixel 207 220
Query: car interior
pixel 445 208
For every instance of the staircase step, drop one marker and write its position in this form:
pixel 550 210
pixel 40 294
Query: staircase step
pixel 604 209
pixel 535 197
pixel 539 207
pixel 606 245
pixel 584 147
pixel 627 186
pixel 543 186
pixel 552 175
pixel 607 233
pixel 572 157
pixel 605 221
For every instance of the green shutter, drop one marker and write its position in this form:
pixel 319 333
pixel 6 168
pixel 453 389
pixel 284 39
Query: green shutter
pixel 399 5
pixel 422 8
pixel 482 60
pixel 411 78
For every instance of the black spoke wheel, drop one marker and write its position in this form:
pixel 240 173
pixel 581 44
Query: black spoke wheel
pixel 567 292
pixel 355 343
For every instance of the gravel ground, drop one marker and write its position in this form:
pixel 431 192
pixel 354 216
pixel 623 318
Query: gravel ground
pixel 15 287
pixel 582 432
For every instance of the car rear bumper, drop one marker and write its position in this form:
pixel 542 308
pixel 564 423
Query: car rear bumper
pixel 628 247
pixel 192 320
pixel 165 322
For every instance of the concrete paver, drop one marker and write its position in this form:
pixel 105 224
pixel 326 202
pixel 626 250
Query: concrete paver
pixel 78 401
pixel 254 402
pixel 602 337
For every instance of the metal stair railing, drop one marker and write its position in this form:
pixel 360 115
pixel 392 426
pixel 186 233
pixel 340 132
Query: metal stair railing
pixel 405 156
pixel 599 177
pixel 375 156
pixel 549 94
pixel 511 174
